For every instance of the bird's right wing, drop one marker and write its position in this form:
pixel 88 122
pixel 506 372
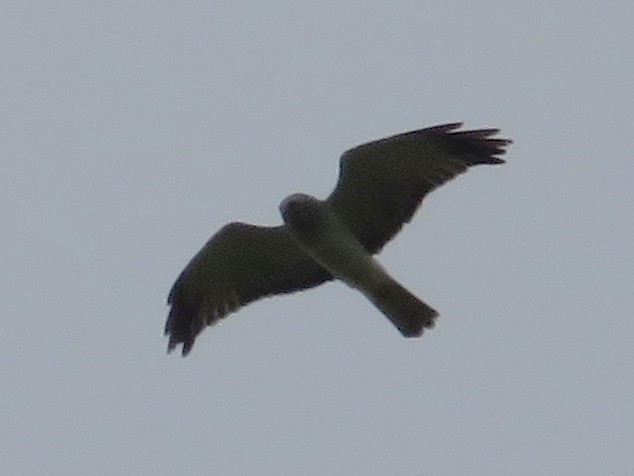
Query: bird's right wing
pixel 239 264
pixel 382 183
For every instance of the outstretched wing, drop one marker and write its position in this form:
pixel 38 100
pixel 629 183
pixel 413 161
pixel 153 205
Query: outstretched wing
pixel 239 264
pixel 382 183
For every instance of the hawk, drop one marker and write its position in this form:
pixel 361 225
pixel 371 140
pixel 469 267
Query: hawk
pixel 380 186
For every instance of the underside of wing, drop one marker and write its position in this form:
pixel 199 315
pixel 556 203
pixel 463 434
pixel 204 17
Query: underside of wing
pixel 382 183
pixel 239 264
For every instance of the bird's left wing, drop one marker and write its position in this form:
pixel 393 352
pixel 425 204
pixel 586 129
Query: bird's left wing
pixel 239 264
pixel 382 183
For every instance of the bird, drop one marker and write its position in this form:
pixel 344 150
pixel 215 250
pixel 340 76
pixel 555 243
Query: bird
pixel 381 185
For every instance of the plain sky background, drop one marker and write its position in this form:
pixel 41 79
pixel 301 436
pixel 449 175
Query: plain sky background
pixel 132 131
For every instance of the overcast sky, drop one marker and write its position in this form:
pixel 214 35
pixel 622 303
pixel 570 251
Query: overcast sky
pixel 132 131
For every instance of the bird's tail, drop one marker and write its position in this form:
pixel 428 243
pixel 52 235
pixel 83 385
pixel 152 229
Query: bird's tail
pixel 408 313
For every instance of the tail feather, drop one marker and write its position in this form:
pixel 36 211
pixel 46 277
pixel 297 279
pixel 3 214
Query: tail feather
pixel 409 314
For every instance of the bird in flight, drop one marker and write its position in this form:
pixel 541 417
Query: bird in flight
pixel 381 184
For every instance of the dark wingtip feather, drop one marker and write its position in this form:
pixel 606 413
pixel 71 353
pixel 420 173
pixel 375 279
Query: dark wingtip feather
pixel 478 145
pixel 187 347
pixel 188 343
pixel 491 131
pixel 171 346
pixel 441 128
pixel 180 325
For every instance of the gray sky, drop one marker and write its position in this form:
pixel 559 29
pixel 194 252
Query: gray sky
pixel 131 131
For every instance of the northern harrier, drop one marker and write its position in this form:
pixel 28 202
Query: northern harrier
pixel 381 184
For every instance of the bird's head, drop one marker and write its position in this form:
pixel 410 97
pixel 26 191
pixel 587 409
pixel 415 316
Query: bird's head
pixel 301 212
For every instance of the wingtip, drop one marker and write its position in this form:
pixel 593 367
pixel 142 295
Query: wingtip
pixel 174 341
pixel 187 347
pixel 479 145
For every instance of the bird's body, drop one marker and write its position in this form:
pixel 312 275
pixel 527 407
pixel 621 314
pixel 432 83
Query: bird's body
pixel 326 239
pixel 381 184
